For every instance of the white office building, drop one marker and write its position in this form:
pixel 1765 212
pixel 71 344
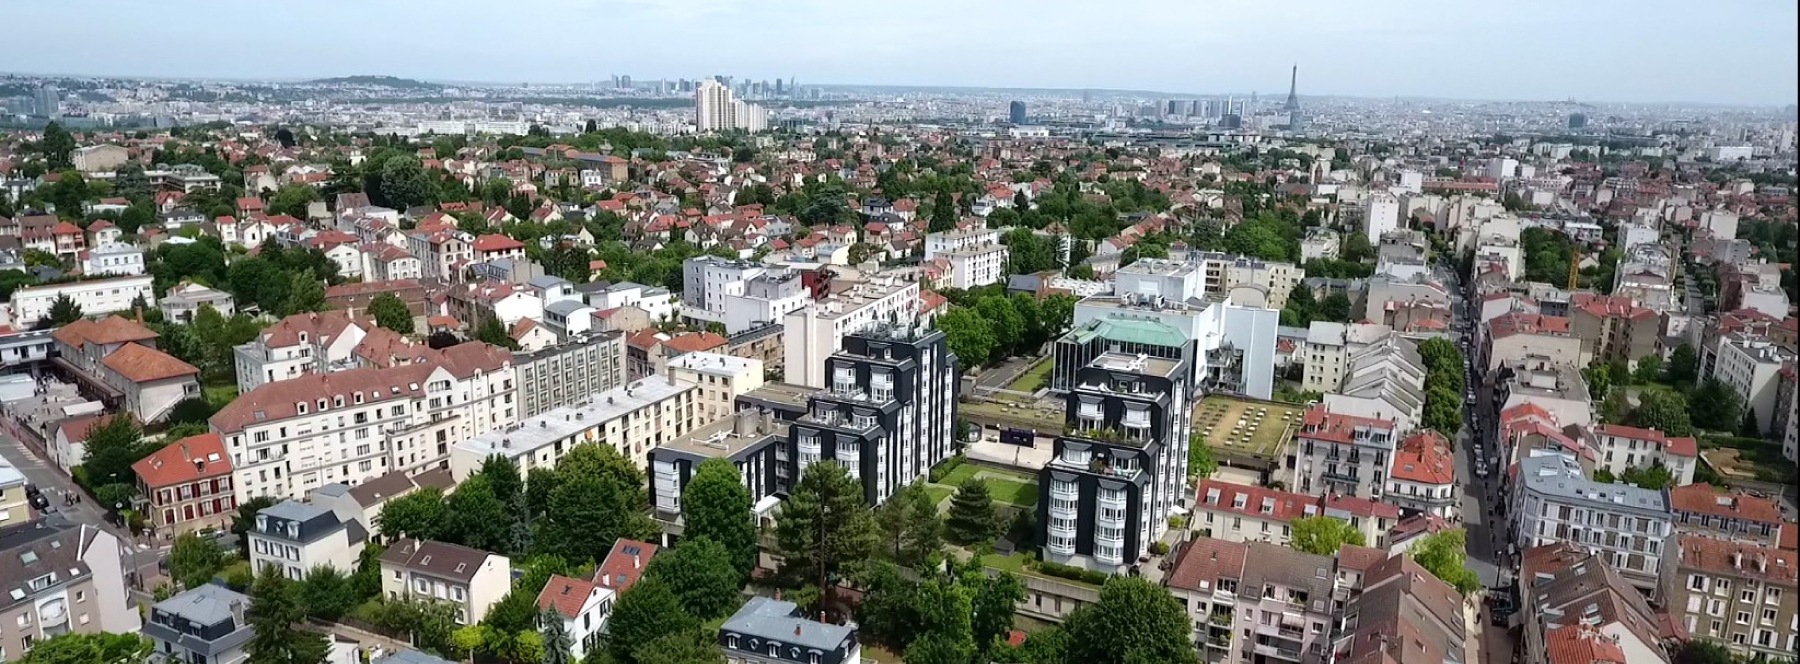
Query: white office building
pixel 95 297
pixel 814 333
pixel 741 295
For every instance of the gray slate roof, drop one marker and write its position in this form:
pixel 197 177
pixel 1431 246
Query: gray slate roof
pixel 775 620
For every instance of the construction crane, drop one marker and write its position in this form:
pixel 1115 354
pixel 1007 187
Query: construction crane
pixel 1574 266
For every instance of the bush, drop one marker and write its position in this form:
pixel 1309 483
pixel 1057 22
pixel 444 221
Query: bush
pixel 1073 573
pixel 944 469
pixel 1176 522
pixel 1159 548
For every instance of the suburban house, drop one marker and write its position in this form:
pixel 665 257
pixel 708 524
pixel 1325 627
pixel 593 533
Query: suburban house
pixel 471 579
pixel 296 537
pixel 186 486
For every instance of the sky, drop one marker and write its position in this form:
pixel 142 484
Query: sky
pixel 1723 51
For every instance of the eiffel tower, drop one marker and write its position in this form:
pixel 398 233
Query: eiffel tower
pixel 1293 99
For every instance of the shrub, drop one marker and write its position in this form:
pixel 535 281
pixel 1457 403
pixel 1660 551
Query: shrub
pixel 1176 522
pixel 1159 548
pixel 944 469
pixel 1073 573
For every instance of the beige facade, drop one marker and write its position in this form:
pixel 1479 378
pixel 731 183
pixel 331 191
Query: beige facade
pixel 471 579
pixel 1738 594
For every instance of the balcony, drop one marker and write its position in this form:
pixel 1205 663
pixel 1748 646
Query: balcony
pixel 1066 529
pixel 1340 476
pixel 1285 631
pixel 53 613
pixel 1288 654
pixel 1219 620
pixel 1112 499
pixel 1220 641
pixel 1064 508
pixel 1064 490
pixel 1116 539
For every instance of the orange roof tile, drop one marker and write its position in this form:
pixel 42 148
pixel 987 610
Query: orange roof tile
pixel 565 594
pixel 142 364
pixel 1703 498
pixel 186 460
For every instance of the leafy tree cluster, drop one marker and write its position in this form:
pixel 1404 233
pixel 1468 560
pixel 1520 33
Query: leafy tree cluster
pixel 278 280
pixel 971 520
pixel 274 615
pixel 988 325
pixel 1443 386
pixel 1028 252
pixel 1546 255
pixel 207 341
pixel 113 445
pixel 1445 554
pixel 1303 308
pixel 958 615
pixel 80 648
pixel 1322 535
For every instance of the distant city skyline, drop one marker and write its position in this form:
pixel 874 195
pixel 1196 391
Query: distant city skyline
pixel 1645 51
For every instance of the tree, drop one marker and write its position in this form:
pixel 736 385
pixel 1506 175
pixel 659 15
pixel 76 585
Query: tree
pixel 824 527
pixel 588 512
pixel 305 293
pixel 946 632
pixel 994 601
pixel 98 648
pixel 558 645
pixel 647 611
pixel 1701 651
pixel 1335 308
pixel 968 334
pixel 1715 406
pixel 1007 325
pixel 419 515
pixel 681 648
pixel 1599 380
pixel 63 310
pixel 540 483
pixel 194 560
pixel 1649 369
pixel 1201 463
pixel 1683 364
pixel 909 526
pixel 1357 248
pixel 943 212
pixel 292 200
pixel 390 312
pixel 1134 621
pixel 491 331
pixel 57 147
pixel 476 518
pixel 717 506
pixel 272 614
pixel 700 572
pixel 1663 410
pixel 404 183
pixel 1322 535
pixel 1443 411
pixel 1655 477
pixel 327 593
pixel 1445 554
pixel 971 518
pixel 112 446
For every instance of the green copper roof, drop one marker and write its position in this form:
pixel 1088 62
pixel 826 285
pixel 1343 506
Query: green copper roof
pixel 1140 331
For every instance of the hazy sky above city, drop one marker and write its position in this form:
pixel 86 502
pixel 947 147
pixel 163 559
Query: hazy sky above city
pixel 1728 51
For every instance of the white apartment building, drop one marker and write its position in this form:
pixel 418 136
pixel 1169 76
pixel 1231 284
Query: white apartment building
pixel 299 344
pixel 1319 244
pixel 443 254
pixel 742 295
pixel 1620 448
pixel 1202 274
pixel 719 378
pixel 1385 381
pixel 1326 356
pixel 1750 366
pixel 1381 214
pixel 942 242
pixel 95 297
pixel 295 537
pixel 291 436
pixel 1343 455
pixel 976 256
pixel 1625 525
pixel 115 259
pixel 631 419
pixel 656 301
pixel 814 333
pixel 716 109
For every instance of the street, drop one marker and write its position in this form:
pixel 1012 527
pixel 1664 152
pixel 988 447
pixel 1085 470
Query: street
pixel 55 485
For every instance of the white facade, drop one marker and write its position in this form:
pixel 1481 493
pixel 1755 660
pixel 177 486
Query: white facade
pixel 1381 214
pixel 742 295
pixel 720 379
pixel 297 345
pixel 816 332
pixel 1749 365
pixel 113 259
pixel 632 419
pixel 95 297
pixel 1621 448
pixel 1627 526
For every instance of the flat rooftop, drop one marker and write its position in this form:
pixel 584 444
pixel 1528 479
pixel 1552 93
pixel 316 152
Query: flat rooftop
pixel 1139 364
pixel 716 364
pixel 561 423
pixel 1246 430
pixel 723 438
pixel 788 393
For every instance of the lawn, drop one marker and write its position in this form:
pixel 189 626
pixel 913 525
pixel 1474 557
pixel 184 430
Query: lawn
pixel 968 470
pixel 1034 378
pixel 1244 428
pixel 938 493
pixel 1017 494
pixel 1014 563
pixel 219 395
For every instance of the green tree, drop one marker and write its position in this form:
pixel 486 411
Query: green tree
pixel 491 331
pixel 645 612
pixel 419 515
pixel 1654 477
pixel 327 593
pixel 968 334
pixel 1007 324
pixel 404 183
pixel 305 293
pixel 1357 248
pixel 272 615
pixel 390 312
pixel 1322 535
pixel 946 635
pixel 993 603
pixel 1201 463
pixel 1714 406
pixel 63 310
pixel 1445 554
pixel 1701 651
pixel 1649 369
pixel 943 212
pixel 1599 380
pixel 1683 365
pixel 1134 621
pixel 1335 308
pixel 292 200
pixel 909 525
pixel 476 518
pixel 194 560
pixel 691 647
pixel 700 572
pixel 112 446
pixel 1663 410
pixel 57 147
pixel 588 512
pixel 558 645
pixel 1443 411
pixel 98 648
pixel 540 483
pixel 971 518
pixel 825 526
pixel 716 506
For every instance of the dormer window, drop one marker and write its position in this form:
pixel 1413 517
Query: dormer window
pixel 300 407
pixel 322 404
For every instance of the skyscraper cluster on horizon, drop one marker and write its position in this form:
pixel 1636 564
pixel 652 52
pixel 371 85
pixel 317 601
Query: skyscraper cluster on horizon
pixel 716 109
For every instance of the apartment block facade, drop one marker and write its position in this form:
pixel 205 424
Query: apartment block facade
pixel 1343 454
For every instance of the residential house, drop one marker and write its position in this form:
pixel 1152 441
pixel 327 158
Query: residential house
pixel 771 631
pixel 62 578
pixel 202 624
pixel 296 537
pixel 470 579
pixel 1741 595
pixel 1622 448
pixel 186 486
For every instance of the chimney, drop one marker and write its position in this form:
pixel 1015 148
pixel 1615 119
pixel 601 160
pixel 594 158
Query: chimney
pixel 671 374
pixel 796 629
pixel 237 612
pixel 635 561
pixel 1737 560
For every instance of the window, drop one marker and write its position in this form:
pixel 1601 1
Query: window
pixel 1771 595
pixel 1743 617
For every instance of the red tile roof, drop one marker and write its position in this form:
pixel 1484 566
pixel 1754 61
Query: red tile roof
pixel 624 564
pixel 1207 560
pixel 104 332
pixel 186 460
pixel 1506 325
pixel 696 342
pixel 143 364
pixel 1743 559
pixel 1581 644
pixel 496 242
pixel 1424 458
pixel 1282 505
pixel 1702 498
pixel 1323 425
pixel 565 594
